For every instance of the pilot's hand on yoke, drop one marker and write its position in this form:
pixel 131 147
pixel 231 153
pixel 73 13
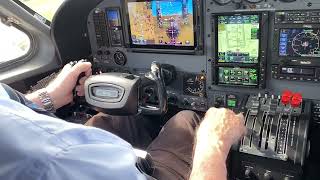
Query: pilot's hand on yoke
pixel 61 89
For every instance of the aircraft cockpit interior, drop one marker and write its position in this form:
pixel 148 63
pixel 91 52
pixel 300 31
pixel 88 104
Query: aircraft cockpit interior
pixel 260 58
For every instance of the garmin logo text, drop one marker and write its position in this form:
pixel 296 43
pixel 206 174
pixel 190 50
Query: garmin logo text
pixel 305 62
pixel 307 26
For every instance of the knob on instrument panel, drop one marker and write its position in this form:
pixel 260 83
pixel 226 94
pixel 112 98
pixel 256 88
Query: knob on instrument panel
pixel 186 103
pixel 218 102
pixel 173 99
pixel 286 178
pixel 267 176
pixel 248 174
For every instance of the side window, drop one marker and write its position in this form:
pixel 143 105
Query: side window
pixel 45 8
pixel 14 43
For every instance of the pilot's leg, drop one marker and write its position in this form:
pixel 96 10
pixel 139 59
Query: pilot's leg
pixel 172 150
pixel 130 128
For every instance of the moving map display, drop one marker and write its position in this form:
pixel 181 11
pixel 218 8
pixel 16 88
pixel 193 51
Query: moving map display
pixel 238 76
pixel 299 42
pixel 162 22
pixel 238 39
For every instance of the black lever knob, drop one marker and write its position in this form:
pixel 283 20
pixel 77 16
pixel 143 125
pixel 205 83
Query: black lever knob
pixel 248 174
pixel 218 102
pixel 172 99
pixel 287 178
pixel 267 176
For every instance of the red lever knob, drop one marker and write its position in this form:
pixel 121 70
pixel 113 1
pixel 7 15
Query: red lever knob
pixel 296 100
pixel 286 97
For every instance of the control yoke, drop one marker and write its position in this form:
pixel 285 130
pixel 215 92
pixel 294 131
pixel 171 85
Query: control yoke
pixel 156 75
pixel 118 93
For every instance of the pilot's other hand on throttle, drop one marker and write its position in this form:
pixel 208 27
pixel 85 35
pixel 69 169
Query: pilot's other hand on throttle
pixel 61 89
pixel 219 129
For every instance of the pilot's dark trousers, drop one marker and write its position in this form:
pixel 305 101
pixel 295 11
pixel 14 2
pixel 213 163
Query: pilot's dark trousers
pixel 171 150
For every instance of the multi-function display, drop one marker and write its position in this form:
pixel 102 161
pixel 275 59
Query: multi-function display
pixel 238 39
pixel 299 42
pixel 166 23
pixel 238 43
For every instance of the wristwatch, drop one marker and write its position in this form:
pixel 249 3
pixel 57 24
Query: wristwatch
pixel 46 101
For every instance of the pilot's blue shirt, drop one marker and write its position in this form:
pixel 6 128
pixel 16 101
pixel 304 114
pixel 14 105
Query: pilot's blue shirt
pixel 38 147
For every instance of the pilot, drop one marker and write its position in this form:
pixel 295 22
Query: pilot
pixel 37 145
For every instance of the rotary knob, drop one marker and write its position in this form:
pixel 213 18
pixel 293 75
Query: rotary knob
pixel 99 52
pixel 248 174
pixel 218 102
pixel 173 99
pixel 287 178
pixel 186 103
pixel 267 176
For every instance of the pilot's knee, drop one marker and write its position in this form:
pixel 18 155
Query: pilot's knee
pixel 188 117
pixel 187 113
pixel 99 120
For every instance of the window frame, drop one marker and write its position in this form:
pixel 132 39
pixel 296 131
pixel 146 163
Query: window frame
pixel 24 58
pixel 32 12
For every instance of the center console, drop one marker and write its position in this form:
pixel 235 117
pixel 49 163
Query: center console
pixel 277 132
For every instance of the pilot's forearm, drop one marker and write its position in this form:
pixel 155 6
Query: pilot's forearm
pixel 209 160
pixel 33 97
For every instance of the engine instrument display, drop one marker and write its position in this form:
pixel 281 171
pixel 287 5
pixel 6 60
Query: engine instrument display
pixel 113 17
pixel 238 38
pixel 114 26
pixel 162 23
pixel 238 76
pixel 299 42
pixel 194 85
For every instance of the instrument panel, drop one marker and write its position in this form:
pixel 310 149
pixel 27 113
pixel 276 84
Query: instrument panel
pixel 244 46
pixel 224 53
